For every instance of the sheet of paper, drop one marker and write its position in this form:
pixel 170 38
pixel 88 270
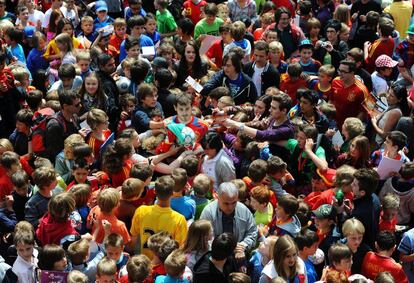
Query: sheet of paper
pixel 127 123
pixel 388 165
pixel 337 139
pixel 207 42
pixel 194 84
pixel 148 50
pixel 84 125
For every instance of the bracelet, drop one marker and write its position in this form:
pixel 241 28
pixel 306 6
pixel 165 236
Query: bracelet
pixel 241 129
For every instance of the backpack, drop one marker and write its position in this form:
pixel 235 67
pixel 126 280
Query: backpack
pixel 39 131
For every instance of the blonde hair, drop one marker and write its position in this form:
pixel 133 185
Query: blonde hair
pixel 239 277
pixel 197 236
pixel 352 226
pixel 83 55
pixel 81 193
pixel 106 267
pixel 344 175
pixel 108 199
pixel 75 276
pixel 72 141
pixel 342 14
pixel 120 22
pixel 20 73
pixel 390 201
pixel 226 100
pixel 175 263
pixel 5 25
pixel 272 242
pixel 241 188
pixel 66 39
pixel 201 184
pixel 6 144
pixel 96 117
pixel 276 45
pixel 131 188
pixel 86 19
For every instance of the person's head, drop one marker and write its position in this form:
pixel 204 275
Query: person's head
pixel 64 42
pixel 212 144
pixel 151 24
pixel 182 105
pixel 390 205
pixel 132 47
pixel 132 189
pixel 276 167
pixel 326 73
pixel 287 206
pixel 227 197
pixel 359 149
pixel 308 99
pixel 262 106
pixel 307 242
pixel 232 64
pixel 138 267
pixel 67 74
pixel 304 214
pixel 280 106
pixel 397 95
pixel 52 257
pixel 97 120
pixel 164 186
pixel 285 256
pixel 304 132
pixel 211 11
pixel 80 171
pixel 216 94
pixel 106 270
pixel 87 25
pixel 261 52
pixel 13 36
pixel 135 6
pixel 65 26
pixel 239 277
pixel 45 178
pixel 139 70
pixel 20 180
pixel 128 103
pixel 384 277
pixel 344 176
pixel 385 242
pixel 356 55
pixel 180 179
pixel 83 151
pixel 282 17
pixel 61 206
pixel 78 252
pixel 340 257
pixel 267 246
pixel 142 172
pixel 83 61
pixel 407 171
pixel 175 263
pixel 106 63
pixel 114 246
pixel 352 127
pixel 325 217
pixel 101 9
pixel 24 242
pixel 384 65
pixel 238 30
pixel 162 245
pixel 34 99
pixel 365 182
pixel 201 185
pixel 81 193
pixel 386 27
pixel 346 70
pixel 313 27
pixel 163 78
pixel 259 197
pixel 329 110
pixel 257 170
pixel 294 70
pixel 24 120
pixel 75 276
pixel 185 27
pixel 199 234
pixel 223 246
pixel 395 141
pixel 332 29
pixel 108 200
pixel 305 50
pixel 147 95
pixel 120 27
pixel 342 14
pixel 354 231
pixel 167 51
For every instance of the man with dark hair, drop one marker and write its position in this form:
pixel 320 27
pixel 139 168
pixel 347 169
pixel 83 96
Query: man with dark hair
pixel 65 123
pixel 263 73
pixel 348 93
pixel 367 206
pixel 216 266
pixel 106 65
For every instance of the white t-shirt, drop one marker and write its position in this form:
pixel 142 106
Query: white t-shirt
pixel 269 271
pixel 257 79
pixel 34 18
pixel 379 84
pixel 209 168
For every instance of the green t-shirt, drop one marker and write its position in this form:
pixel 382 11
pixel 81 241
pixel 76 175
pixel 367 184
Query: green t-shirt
pixel 264 218
pixel 165 22
pixel 203 28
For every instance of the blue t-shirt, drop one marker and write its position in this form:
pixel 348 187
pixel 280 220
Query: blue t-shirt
pixel 98 24
pixel 257 267
pixel 310 271
pixel 235 85
pixel 18 52
pixel 168 279
pixel 406 247
pixel 36 61
pixel 185 206
pixel 143 41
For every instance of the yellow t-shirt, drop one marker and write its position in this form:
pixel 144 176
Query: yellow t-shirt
pixel 401 11
pixel 149 220
pixel 52 48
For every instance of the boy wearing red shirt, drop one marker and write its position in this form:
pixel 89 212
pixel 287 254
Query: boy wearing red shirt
pixel 390 204
pixel 216 49
pixel 10 161
pixel 119 35
pixel 193 10
pixel 381 261
pixel 291 81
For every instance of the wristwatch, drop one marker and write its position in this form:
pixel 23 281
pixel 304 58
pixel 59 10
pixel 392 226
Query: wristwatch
pixel 241 128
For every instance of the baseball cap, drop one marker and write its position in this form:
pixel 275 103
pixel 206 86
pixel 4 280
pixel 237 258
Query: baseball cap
pixel 160 62
pixel 325 211
pixel 327 176
pixel 29 31
pixel 305 42
pixel 411 29
pixel 101 6
pixel 385 61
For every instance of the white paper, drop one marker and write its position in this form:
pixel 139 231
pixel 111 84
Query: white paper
pixel 192 82
pixel 127 123
pixel 207 42
pixel 148 50
pixel 84 125
pixel 337 139
pixel 388 165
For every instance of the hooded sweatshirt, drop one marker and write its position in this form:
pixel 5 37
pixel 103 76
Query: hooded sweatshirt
pixel 51 231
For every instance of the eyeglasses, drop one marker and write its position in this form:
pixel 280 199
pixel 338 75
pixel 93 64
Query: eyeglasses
pixel 331 31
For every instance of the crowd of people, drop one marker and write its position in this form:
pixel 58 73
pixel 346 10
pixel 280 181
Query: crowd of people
pixel 206 141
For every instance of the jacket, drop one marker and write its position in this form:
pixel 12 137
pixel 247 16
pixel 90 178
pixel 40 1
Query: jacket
pixel 51 231
pixel 141 117
pixel 246 93
pixel 205 271
pixel 270 76
pixel 338 53
pixel 244 226
pixel 225 171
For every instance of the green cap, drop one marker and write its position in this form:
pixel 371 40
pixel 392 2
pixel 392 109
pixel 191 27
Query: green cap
pixel 411 29
pixel 325 211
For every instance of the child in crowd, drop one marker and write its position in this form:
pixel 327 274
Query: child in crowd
pixel 237 31
pixel 340 258
pixel 106 270
pixel 394 143
pixel 35 59
pixel 309 65
pixel 307 242
pixel 98 121
pixel 201 187
pixel 86 37
pixel 260 203
pixel 160 245
pixel 390 205
pixel 114 248
pixel 138 269
pixel 83 62
pixel 82 195
pixel 175 265
pixel 292 80
pixel 262 256
pixel 180 202
pixel 22 192
pixel 285 221
pixel 26 263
